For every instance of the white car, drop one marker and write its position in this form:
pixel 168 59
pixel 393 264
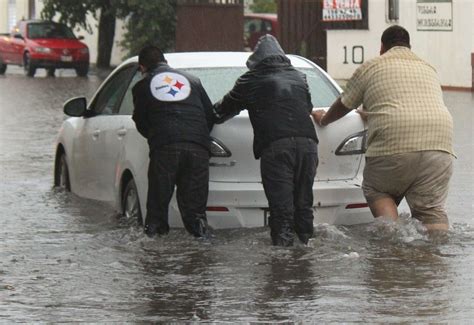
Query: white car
pixel 100 155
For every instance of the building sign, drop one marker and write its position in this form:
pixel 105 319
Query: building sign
pixel 342 10
pixel 434 15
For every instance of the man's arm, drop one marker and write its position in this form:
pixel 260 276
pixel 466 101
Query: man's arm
pixel 139 112
pixel 233 102
pixel 335 112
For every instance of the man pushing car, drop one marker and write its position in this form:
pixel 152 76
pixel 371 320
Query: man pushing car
pixel 278 100
pixel 173 112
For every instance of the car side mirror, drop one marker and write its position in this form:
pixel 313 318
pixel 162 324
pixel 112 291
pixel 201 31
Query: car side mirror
pixel 76 106
pixel 18 35
pixel 80 37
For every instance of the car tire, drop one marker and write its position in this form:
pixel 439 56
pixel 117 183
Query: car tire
pixel 61 173
pixel 82 71
pixel 131 203
pixel 3 68
pixel 30 69
pixel 51 72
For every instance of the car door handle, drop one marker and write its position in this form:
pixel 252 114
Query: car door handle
pixel 95 134
pixel 122 132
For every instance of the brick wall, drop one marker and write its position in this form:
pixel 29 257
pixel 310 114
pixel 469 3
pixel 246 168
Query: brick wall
pixel 204 25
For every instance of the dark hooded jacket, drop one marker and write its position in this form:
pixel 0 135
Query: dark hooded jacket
pixel 275 94
pixel 165 115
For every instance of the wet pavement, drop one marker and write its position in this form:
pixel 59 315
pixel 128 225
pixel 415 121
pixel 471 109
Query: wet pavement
pixel 66 259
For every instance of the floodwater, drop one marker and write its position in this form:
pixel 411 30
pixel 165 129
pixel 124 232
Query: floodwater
pixel 65 259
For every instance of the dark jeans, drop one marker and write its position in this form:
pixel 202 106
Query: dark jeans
pixel 185 165
pixel 288 168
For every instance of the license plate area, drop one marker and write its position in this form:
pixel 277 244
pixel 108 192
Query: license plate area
pixel 66 58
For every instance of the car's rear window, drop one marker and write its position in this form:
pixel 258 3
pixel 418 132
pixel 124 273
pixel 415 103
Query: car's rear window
pixel 218 81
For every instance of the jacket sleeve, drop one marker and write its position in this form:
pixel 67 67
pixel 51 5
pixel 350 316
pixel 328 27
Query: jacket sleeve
pixel 232 103
pixel 308 94
pixel 139 112
pixel 208 107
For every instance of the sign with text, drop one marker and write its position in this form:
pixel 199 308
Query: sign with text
pixel 342 10
pixel 434 15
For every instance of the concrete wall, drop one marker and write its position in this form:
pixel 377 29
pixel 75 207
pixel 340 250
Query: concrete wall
pixel 21 12
pixel 118 52
pixel 4 17
pixel 199 27
pixel 448 51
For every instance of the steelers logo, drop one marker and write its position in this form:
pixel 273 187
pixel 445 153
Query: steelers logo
pixel 170 87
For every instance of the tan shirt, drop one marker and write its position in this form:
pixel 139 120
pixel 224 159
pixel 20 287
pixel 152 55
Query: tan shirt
pixel 402 96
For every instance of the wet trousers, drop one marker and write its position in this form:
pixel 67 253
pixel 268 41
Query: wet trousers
pixel 186 166
pixel 288 168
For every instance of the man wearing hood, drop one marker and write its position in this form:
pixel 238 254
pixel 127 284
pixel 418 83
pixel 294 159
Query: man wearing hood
pixel 174 113
pixel 278 100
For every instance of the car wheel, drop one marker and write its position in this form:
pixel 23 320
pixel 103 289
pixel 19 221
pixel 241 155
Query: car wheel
pixel 51 72
pixel 30 69
pixel 131 203
pixel 61 173
pixel 82 71
pixel 3 68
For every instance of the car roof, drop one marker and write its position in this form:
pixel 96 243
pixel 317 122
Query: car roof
pixel 181 60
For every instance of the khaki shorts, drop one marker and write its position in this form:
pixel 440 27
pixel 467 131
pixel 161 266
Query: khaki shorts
pixel 421 177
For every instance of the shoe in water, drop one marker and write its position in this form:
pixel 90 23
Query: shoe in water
pixel 304 237
pixel 151 230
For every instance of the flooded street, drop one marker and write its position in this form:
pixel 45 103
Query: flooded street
pixel 66 259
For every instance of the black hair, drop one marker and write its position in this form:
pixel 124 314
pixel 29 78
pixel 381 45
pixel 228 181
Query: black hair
pixel 395 36
pixel 150 56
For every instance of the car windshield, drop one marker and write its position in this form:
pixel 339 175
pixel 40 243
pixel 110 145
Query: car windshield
pixel 218 81
pixel 49 30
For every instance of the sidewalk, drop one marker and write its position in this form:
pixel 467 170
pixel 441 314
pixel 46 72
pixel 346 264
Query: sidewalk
pixel 93 71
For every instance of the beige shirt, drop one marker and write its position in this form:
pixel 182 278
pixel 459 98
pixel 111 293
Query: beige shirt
pixel 402 96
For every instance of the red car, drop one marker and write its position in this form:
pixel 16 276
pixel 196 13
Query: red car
pixel 37 44
pixel 256 25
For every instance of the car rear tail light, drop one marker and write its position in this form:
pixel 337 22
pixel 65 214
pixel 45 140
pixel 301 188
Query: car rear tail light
pixel 218 149
pixel 217 209
pixel 355 144
pixel 357 206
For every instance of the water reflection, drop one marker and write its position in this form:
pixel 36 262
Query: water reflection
pixel 177 284
pixel 288 281
pixel 407 282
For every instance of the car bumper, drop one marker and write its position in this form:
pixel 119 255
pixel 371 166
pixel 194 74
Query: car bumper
pixel 237 205
pixel 45 63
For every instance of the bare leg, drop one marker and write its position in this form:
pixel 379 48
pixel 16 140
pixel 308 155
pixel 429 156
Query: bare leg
pixel 436 228
pixel 384 207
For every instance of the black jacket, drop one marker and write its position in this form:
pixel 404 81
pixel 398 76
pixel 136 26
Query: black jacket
pixel 275 94
pixel 172 106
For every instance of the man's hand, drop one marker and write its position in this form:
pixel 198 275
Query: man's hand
pixel 318 116
pixel 363 114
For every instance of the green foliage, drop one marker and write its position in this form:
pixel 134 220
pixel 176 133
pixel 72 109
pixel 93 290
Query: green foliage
pixel 74 13
pixel 264 6
pixel 149 22
pixel 146 21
